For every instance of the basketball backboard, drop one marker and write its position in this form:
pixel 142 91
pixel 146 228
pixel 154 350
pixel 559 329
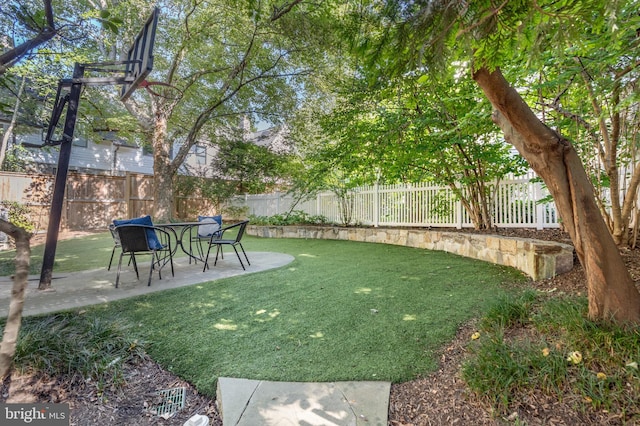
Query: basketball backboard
pixel 140 56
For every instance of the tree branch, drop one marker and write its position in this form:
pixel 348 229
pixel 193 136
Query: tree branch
pixel 45 34
pixel 279 12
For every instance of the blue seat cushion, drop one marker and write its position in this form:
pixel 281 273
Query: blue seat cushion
pixel 152 239
pixel 213 224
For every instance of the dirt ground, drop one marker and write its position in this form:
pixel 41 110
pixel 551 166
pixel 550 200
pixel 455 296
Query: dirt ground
pixel 440 398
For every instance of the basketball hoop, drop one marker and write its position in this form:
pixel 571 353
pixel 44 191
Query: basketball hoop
pixel 140 56
pixel 138 64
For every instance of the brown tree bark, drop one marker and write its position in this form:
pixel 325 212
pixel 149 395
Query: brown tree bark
pixel 163 169
pixel 611 290
pixel 14 318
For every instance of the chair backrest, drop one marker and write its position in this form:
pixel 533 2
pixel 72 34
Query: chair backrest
pixel 210 225
pixel 152 231
pixel 243 226
pixel 114 235
pixel 133 238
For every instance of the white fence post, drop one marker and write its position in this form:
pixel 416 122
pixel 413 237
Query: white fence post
pixel 540 208
pixel 376 204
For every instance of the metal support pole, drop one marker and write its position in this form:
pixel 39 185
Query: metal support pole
pixel 61 180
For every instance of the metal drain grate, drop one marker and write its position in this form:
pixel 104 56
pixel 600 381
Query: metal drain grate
pixel 171 401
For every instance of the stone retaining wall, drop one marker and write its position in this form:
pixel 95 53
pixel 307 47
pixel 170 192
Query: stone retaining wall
pixel 536 258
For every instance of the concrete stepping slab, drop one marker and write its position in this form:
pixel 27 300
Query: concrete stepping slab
pixel 245 402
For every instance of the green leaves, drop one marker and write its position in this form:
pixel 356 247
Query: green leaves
pixel 108 22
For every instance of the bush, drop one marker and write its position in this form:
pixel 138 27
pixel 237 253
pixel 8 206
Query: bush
pixel 81 346
pixel 18 214
pixel 550 346
pixel 296 217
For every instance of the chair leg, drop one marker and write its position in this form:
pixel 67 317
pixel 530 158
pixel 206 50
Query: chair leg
pixel 153 262
pixel 119 266
pixel 239 258
pixel 111 260
pixel 156 258
pixel 206 259
pixel 245 253
pixel 218 251
pixel 135 265
pixel 199 243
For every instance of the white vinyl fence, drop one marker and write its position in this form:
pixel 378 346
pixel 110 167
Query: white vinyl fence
pixel 516 202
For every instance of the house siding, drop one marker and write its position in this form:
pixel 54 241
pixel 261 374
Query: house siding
pixel 108 157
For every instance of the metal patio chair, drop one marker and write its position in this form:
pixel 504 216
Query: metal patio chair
pixel 210 228
pixel 219 241
pixel 144 239
pixel 116 245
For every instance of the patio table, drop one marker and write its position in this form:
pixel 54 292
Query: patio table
pixel 183 231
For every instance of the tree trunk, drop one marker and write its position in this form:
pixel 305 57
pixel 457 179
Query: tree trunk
pixel 163 172
pixel 9 131
pixel 611 290
pixel 14 319
pixel 162 192
pixel 608 149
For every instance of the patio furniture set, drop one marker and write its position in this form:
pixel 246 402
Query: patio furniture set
pixel 140 236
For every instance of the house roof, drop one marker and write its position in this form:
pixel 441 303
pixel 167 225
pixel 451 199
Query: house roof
pixel 273 138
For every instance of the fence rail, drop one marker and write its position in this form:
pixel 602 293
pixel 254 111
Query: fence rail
pixel 516 202
pixel 91 201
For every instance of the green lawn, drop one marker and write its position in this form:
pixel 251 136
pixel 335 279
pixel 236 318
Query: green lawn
pixel 341 311
pixel 346 311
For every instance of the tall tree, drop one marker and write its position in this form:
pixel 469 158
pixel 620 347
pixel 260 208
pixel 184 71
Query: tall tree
pixel 217 61
pixel 591 92
pixel 489 33
pixel 412 130
pixel 251 168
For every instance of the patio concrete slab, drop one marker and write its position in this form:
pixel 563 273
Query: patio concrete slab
pixel 76 289
pixel 244 402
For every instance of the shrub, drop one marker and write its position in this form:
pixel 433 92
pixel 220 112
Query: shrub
pixel 18 214
pixel 552 347
pixel 81 346
pixel 296 217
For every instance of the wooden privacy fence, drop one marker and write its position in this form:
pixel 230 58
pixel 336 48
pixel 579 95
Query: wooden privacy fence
pixel 92 201
pixel 516 202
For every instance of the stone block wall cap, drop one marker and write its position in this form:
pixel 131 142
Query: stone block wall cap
pixel 539 259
